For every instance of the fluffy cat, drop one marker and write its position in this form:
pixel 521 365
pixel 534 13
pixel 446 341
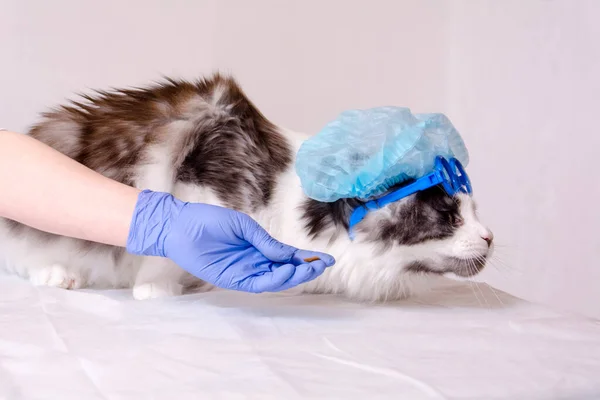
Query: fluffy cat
pixel 206 142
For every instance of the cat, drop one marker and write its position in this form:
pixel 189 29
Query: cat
pixel 206 141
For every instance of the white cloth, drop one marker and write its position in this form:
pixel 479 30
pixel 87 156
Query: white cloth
pixel 455 343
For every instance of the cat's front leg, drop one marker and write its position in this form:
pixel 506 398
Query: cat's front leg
pixel 157 277
pixel 56 275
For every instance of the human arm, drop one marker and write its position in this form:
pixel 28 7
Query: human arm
pixel 49 191
pixel 45 189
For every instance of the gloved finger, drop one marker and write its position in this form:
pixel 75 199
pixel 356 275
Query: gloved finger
pixel 304 273
pixel 277 251
pixel 272 249
pixel 270 281
pixel 301 256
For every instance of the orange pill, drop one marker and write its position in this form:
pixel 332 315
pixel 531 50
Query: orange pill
pixel 311 259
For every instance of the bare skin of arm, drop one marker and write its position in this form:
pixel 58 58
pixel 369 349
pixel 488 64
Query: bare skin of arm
pixel 49 191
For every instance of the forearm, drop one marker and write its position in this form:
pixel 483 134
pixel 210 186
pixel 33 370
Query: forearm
pixel 45 189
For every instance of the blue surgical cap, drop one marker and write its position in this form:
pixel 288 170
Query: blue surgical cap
pixel 363 153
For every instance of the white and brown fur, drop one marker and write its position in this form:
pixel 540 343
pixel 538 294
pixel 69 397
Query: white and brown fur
pixel 206 142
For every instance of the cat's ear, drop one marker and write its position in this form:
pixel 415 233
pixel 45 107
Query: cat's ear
pixel 320 216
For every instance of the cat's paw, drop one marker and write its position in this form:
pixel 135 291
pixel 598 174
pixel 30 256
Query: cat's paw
pixel 156 290
pixel 56 276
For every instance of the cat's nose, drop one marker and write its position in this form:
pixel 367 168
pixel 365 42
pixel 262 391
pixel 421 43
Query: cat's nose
pixel 488 237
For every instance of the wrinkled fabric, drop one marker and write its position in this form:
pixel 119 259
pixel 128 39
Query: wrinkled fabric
pixel 362 153
pixel 455 342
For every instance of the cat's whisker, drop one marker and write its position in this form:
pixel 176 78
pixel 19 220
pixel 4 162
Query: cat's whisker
pixel 495 294
pixel 472 284
pixel 474 270
pixel 501 265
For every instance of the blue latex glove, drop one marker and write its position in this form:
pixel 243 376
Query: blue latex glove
pixel 218 245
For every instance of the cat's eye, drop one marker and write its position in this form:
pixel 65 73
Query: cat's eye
pixel 455 220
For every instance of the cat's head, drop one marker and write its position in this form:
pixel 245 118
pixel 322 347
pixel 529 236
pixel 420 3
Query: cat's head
pixel 428 232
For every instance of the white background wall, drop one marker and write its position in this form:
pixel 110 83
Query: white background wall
pixel 519 78
pixel 524 89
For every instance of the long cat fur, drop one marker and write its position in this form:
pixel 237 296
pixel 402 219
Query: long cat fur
pixel 205 141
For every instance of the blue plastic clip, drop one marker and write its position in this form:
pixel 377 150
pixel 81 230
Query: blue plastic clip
pixel 450 174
